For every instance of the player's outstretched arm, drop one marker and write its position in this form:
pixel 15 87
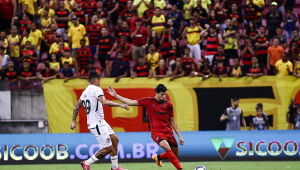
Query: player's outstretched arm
pixel 224 116
pixel 106 102
pixel 75 113
pixel 130 102
pixel 175 127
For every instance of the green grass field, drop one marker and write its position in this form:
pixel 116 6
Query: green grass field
pixel 254 165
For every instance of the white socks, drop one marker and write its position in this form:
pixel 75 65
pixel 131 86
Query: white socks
pixel 114 162
pixel 91 160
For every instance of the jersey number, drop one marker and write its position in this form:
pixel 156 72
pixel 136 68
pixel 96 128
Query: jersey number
pixel 87 106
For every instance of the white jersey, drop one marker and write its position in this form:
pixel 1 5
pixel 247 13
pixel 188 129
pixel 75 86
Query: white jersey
pixel 92 105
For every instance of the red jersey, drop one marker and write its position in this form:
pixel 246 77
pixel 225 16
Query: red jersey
pixel 140 38
pixel 159 114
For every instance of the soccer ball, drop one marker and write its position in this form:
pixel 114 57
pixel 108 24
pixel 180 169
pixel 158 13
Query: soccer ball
pixel 200 168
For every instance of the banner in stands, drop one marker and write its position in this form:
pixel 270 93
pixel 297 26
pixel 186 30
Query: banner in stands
pixel 138 147
pixel 197 104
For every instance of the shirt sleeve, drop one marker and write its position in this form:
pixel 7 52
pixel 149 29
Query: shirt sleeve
pixel 98 92
pixel 83 30
pixel 69 33
pixel 40 34
pixel 143 102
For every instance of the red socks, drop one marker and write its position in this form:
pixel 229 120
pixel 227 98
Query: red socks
pixel 163 155
pixel 172 158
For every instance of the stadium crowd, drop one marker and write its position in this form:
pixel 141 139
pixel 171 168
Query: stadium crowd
pixel 47 39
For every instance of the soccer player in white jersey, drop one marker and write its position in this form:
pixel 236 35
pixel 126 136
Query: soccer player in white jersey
pixel 92 99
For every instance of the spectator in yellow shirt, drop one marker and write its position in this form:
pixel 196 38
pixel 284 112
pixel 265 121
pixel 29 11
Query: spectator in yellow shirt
pixel 46 6
pixel 68 4
pixel 67 58
pixel 141 6
pixel 192 36
pixel 153 57
pixel 31 4
pixel 55 47
pixel 14 42
pixel 37 36
pixel 160 4
pixel 187 8
pixel 26 38
pixel 75 34
pixel 283 66
pixel 158 21
pixel 3 37
pixel 259 3
pixel 54 63
pixel 204 3
pixel 46 21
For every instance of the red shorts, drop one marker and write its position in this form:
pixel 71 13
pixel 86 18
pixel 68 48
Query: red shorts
pixel 157 137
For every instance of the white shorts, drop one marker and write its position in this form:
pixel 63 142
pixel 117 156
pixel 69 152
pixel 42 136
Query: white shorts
pixel 102 132
pixel 195 51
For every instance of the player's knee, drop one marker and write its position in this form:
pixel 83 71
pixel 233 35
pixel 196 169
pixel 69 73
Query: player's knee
pixel 165 145
pixel 114 139
pixel 109 149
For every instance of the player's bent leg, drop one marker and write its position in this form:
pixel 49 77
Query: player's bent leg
pixel 102 135
pixel 114 154
pixel 169 154
pixel 103 152
pixel 115 141
pixel 97 156
pixel 158 158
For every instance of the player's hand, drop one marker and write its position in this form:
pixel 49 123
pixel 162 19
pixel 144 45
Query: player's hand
pixel 224 117
pixel 181 141
pixel 73 125
pixel 112 91
pixel 124 106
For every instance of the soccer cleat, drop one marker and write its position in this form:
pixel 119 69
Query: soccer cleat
pixel 158 162
pixel 120 168
pixel 85 166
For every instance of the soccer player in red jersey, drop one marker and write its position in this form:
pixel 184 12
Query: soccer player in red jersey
pixel 161 116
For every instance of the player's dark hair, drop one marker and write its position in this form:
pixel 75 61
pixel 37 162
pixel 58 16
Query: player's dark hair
pixel 93 75
pixel 259 106
pixel 235 99
pixel 160 88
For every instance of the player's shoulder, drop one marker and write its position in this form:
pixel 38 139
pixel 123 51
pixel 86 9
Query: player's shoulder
pixel 93 87
pixel 146 99
pixel 168 102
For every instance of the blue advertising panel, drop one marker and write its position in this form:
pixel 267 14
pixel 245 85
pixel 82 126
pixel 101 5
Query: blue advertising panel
pixel 200 146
